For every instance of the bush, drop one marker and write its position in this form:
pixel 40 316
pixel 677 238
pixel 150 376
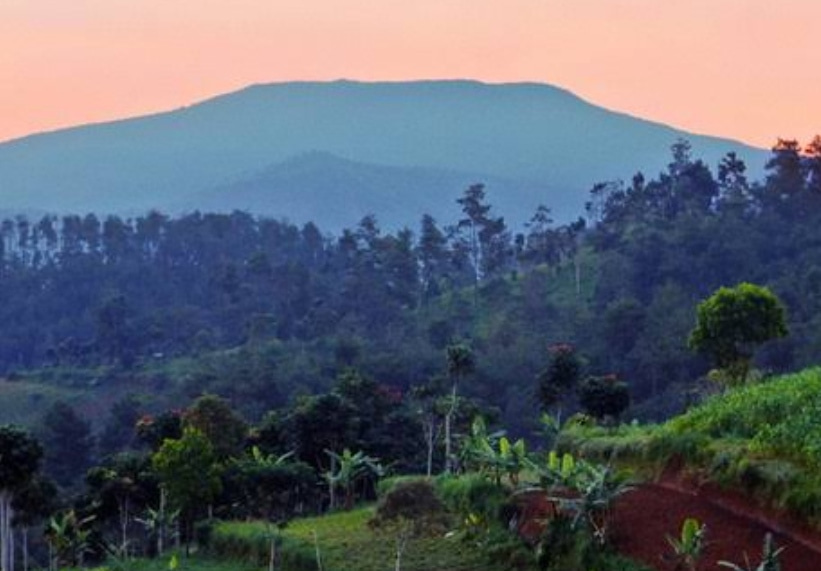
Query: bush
pixel 604 397
pixel 414 501
pixel 385 485
pixel 472 494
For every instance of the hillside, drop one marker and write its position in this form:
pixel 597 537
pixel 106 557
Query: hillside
pixel 310 183
pixel 535 143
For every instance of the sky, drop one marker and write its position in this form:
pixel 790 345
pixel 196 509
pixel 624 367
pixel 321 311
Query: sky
pixel 745 69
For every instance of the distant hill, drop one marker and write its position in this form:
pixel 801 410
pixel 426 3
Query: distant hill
pixel 332 152
pixel 322 186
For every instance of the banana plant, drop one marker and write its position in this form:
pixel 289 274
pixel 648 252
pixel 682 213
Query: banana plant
pixel 512 457
pixel 347 469
pixel 269 459
pixel 583 491
pixel 492 452
pixel 158 522
pixel 688 548
pixel 69 538
pixel 769 558
pixel 554 470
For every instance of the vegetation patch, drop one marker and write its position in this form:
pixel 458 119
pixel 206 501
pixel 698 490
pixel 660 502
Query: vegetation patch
pixel 344 542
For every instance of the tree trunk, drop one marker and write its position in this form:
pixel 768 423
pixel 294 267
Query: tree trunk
pixel 161 523
pixel 317 553
pixel 401 544
pixel 272 553
pixel 25 549
pixel 449 464
pixel 332 486
pixel 349 496
pixel 124 527
pixel 578 271
pixel 6 532
pixel 430 437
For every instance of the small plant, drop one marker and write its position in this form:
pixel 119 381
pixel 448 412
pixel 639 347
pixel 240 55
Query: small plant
pixel 769 558
pixel 69 537
pixel 689 546
pixel 346 470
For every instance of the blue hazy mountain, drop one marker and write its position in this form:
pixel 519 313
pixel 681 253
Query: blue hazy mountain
pixel 322 186
pixel 334 151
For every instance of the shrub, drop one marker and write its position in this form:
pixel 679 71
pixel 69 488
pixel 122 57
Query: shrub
pixel 472 494
pixel 603 397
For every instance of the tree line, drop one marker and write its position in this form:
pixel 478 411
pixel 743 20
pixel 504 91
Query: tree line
pixel 268 310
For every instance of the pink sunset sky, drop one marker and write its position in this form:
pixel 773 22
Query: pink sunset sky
pixel 746 69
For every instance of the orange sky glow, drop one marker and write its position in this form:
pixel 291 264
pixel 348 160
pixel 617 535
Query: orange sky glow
pixel 746 69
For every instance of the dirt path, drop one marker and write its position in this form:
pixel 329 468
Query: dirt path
pixel 647 515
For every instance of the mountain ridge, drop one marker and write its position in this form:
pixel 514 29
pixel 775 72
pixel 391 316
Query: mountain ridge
pixel 536 135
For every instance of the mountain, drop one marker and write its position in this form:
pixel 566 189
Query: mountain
pixel 314 183
pixel 335 151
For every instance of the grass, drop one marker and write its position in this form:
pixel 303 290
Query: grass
pixel 763 438
pixel 164 563
pixel 347 543
pixel 23 402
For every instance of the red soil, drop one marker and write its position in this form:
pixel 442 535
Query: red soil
pixel 646 516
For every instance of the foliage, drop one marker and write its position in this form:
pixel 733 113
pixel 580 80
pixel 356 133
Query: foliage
pixel 474 495
pixel 477 449
pixel 347 469
pixel 561 375
pixel 778 416
pixel 689 546
pixel 68 444
pixel 347 543
pixel 219 423
pixel 19 460
pixel 604 397
pixel 769 558
pixel 409 511
pixel 187 469
pixel 759 438
pixel 70 538
pixel 267 486
pixel 20 455
pixel 193 563
pixel 733 321
pixel 564 547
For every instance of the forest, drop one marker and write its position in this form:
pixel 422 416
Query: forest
pixel 220 368
pixel 620 284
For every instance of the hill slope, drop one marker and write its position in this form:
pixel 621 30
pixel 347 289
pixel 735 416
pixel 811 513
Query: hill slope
pixel 549 144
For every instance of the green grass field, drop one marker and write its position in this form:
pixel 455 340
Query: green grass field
pixel 347 543
pixel 763 439
pixel 181 564
pixel 23 402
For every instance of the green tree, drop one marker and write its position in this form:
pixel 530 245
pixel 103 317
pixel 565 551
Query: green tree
pixel 118 490
pixel 560 376
pixel 217 421
pixel 486 238
pixel 68 443
pixel 119 432
pixel 732 322
pixel 432 256
pixel 32 504
pixel 603 397
pixel 346 470
pixel 268 486
pixel 19 460
pixel 187 469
